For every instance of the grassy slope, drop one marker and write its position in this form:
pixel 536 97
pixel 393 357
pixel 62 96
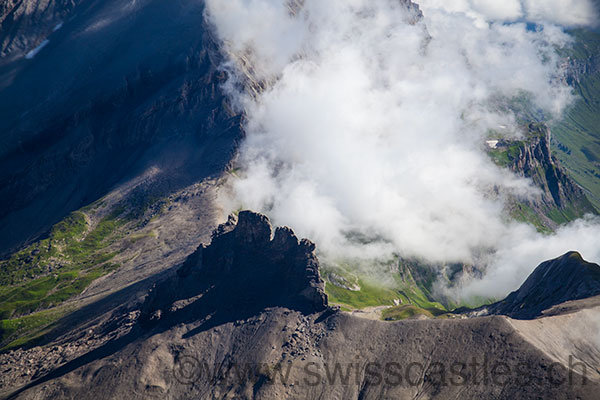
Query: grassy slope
pixel 577 136
pixel 35 281
pixel 374 293
pixel 404 312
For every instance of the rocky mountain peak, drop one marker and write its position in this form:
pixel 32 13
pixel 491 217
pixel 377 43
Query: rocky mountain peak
pixel 553 282
pixel 274 269
pixel 245 269
pixel 560 199
pixel 535 160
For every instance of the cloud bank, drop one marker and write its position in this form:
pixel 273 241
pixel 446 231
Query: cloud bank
pixel 368 139
pixel 567 13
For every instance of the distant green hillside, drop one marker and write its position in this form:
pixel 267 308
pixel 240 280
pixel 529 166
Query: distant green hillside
pixel 577 137
pixel 405 286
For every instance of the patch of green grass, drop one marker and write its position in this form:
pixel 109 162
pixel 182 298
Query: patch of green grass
pixel 415 283
pixel 564 215
pixel 48 291
pixel 523 213
pixel 472 303
pixel 505 155
pixel 73 226
pixel 59 267
pixel 26 263
pixel 37 258
pixel 404 311
pixel 369 295
pixel 96 239
pixel 38 280
pixel 27 330
pixel 500 157
pixel 403 288
pixel 82 280
pixel 415 295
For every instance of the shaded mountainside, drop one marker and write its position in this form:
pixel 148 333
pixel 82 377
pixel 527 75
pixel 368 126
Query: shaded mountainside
pixel 200 335
pixel 553 282
pixel 561 199
pixel 122 90
pixel 115 135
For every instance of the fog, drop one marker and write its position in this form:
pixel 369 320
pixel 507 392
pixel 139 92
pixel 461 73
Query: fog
pixel 369 137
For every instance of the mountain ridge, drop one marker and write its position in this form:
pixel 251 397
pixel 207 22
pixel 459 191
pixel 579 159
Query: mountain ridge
pixel 566 278
pixel 194 319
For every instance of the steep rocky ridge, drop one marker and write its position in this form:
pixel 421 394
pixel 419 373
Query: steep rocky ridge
pixel 243 271
pixel 560 199
pixel 553 282
pixel 536 161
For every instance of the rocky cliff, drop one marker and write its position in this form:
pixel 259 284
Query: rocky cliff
pixel 243 271
pixel 560 199
pixel 576 69
pixel 536 161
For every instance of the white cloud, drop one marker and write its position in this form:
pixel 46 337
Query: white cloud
pixel 375 130
pixel 506 10
pixel 517 258
pixel 569 13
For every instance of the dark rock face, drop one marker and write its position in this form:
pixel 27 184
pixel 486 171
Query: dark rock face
pixel 413 11
pixel 120 89
pixel 242 272
pixel 256 270
pixel 553 282
pixel 535 160
pixel 575 69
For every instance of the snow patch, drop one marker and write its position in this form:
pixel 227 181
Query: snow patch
pixel 34 52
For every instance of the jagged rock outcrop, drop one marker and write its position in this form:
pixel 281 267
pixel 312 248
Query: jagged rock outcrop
pixel 279 271
pixel 536 161
pixel 412 10
pixel 243 271
pixel 561 199
pixel 576 69
pixel 553 282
